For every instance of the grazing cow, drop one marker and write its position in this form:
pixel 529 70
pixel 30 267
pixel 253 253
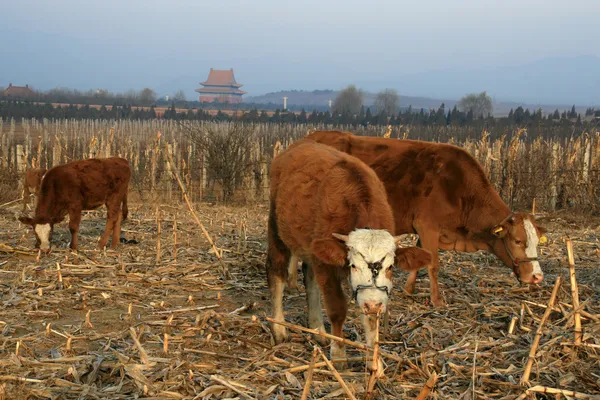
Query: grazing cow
pixel 330 211
pixel 31 184
pixel 81 185
pixel 440 192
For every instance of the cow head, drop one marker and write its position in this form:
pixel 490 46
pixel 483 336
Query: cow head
pixel 42 230
pixel 517 238
pixel 371 253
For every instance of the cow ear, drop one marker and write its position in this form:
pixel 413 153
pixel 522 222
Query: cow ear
pixel 26 220
pixel 343 238
pixel 412 258
pixel 398 239
pixel 499 231
pixel 329 251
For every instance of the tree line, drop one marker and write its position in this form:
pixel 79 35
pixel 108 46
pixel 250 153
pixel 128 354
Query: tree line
pixel 364 116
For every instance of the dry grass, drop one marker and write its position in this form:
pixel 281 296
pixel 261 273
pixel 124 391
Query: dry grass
pixel 557 172
pixel 171 327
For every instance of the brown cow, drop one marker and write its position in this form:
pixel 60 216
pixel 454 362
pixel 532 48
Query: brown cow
pixel 31 184
pixel 330 211
pixel 81 185
pixel 440 192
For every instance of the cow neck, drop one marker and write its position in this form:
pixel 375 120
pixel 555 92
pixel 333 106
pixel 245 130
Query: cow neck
pixel 47 209
pixel 490 213
pixel 361 149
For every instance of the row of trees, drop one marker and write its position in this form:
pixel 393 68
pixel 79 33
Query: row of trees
pixel 387 102
pixel 364 116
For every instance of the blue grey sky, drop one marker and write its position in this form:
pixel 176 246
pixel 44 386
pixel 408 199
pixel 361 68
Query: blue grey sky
pixel 309 44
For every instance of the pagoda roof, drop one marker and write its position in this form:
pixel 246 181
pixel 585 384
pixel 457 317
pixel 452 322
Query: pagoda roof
pixel 221 77
pixel 221 90
pixel 18 91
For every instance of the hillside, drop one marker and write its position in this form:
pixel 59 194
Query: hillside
pixel 322 97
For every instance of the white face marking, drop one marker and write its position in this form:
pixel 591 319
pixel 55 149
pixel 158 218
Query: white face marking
pixel 43 233
pixel 367 246
pixel 532 242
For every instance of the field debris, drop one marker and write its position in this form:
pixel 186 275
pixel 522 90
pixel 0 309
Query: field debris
pixel 168 323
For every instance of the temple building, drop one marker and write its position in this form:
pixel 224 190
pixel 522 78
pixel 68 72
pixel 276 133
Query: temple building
pixel 18 92
pixel 220 87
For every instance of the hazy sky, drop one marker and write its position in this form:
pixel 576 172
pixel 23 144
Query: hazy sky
pixel 309 44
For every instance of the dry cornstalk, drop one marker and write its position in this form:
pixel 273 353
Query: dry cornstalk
pixel 138 345
pixel 200 224
pixel 570 393
pixel 166 343
pixel 574 292
pixel 309 374
pixel 538 333
pixel 225 383
pixel 301 368
pixel 60 278
pixel 175 237
pixel 474 369
pixel 88 321
pixel 336 339
pixel 336 374
pixel 513 323
pixel 158 226
pixel 429 385
pixel 374 366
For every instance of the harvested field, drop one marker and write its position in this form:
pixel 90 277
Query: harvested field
pixel 159 320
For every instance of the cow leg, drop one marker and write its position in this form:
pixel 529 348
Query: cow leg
pixel 112 210
pixel 430 241
pixel 313 300
pixel 278 259
pixel 410 282
pixel 412 276
pixel 116 236
pixel 276 263
pixel 335 304
pixel 74 222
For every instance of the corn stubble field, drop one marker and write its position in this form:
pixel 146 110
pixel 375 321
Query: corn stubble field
pixel 171 318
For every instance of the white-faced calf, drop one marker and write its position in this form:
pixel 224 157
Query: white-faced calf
pixel 77 186
pixel 330 211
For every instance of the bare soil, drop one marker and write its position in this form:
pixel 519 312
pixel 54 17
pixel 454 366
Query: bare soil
pixel 72 335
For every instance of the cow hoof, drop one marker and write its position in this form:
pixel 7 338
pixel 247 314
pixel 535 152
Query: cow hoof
pixel 320 339
pixel 410 288
pixel 279 333
pixel 338 352
pixel 438 303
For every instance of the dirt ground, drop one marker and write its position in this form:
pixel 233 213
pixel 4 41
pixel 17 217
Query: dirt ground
pixel 166 324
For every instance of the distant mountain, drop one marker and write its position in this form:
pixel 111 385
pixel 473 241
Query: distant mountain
pixel 565 80
pixel 322 97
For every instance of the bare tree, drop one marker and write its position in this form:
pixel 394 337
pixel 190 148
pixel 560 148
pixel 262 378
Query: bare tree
pixel 147 97
pixel 348 101
pixel 480 104
pixel 227 150
pixel 179 97
pixel 387 102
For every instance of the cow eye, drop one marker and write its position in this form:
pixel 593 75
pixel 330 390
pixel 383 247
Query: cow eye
pixel 518 242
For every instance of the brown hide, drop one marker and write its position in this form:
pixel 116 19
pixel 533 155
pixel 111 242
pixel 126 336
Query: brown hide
pixel 31 184
pixel 436 190
pixel 84 185
pixel 317 191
